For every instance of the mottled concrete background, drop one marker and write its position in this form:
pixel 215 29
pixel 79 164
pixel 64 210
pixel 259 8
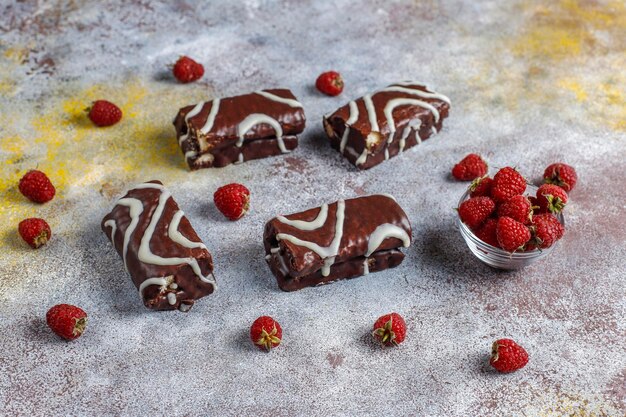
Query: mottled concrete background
pixel 531 83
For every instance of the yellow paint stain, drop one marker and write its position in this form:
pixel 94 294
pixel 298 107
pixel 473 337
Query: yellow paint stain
pixel 568 28
pixel 78 156
pixel 574 86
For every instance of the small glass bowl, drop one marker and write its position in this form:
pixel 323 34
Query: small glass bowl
pixel 498 258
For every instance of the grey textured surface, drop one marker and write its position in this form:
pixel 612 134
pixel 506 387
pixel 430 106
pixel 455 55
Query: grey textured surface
pixel 530 84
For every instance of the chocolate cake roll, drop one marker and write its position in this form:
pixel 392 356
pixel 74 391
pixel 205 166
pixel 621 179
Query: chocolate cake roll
pixel 167 261
pixel 341 240
pixel 379 126
pixel 236 129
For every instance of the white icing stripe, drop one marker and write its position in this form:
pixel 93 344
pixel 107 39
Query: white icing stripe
pixel 135 209
pixel 416 92
pixel 383 232
pixel 240 159
pixel 414 124
pixel 177 237
pixel 354 113
pixel 362 158
pixel 433 130
pixel 208 125
pixel 392 104
pixel 145 255
pixel 366 266
pixel 371 112
pixel 162 282
pixel 288 101
pixel 304 225
pixel 258 118
pixel 193 112
pixel 111 223
pixel 353 117
pixel 327 253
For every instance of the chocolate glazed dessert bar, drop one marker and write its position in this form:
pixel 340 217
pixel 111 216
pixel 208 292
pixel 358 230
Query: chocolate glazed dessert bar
pixel 379 126
pixel 341 240
pixel 167 261
pixel 236 129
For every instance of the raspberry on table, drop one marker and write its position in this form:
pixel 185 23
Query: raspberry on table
pixel 103 113
pixel 507 356
pixel 35 231
pixel 266 333
pixel 187 70
pixel 37 187
pixel 390 329
pixel 330 83
pixel 471 167
pixel 232 200
pixel 67 321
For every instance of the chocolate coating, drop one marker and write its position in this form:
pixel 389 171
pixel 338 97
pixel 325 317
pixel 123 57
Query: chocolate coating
pixel 381 142
pixel 177 249
pixel 297 265
pixel 212 136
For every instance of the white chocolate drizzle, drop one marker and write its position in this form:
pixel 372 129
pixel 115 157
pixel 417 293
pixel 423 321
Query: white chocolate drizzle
pixel 255 119
pixel 353 117
pixel 371 113
pixel 193 112
pixel 366 266
pixel 318 222
pixel 383 232
pixel 144 254
pixel 288 101
pixel 327 253
pixel 176 236
pixel 210 121
pixel 111 223
pixel 160 281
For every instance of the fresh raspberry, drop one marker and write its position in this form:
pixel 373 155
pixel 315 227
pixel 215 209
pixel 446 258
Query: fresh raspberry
pixel 562 175
pixel 67 321
pixel 481 187
pixel 330 83
pixel 104 113
pixel 390 329
pixel 266 333
pixel 506 183
pixel 508 356
pixel 233 200
pixel 35 232
pixel 470 168
pixel 518 208
pixel 551 198
pixel 187 70
pixel 512 235
pixel 487 232
pixel 546 230
pixel 36 186
pixel 476 210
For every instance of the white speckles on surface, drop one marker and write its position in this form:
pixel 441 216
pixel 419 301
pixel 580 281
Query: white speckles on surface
pixel 530 84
